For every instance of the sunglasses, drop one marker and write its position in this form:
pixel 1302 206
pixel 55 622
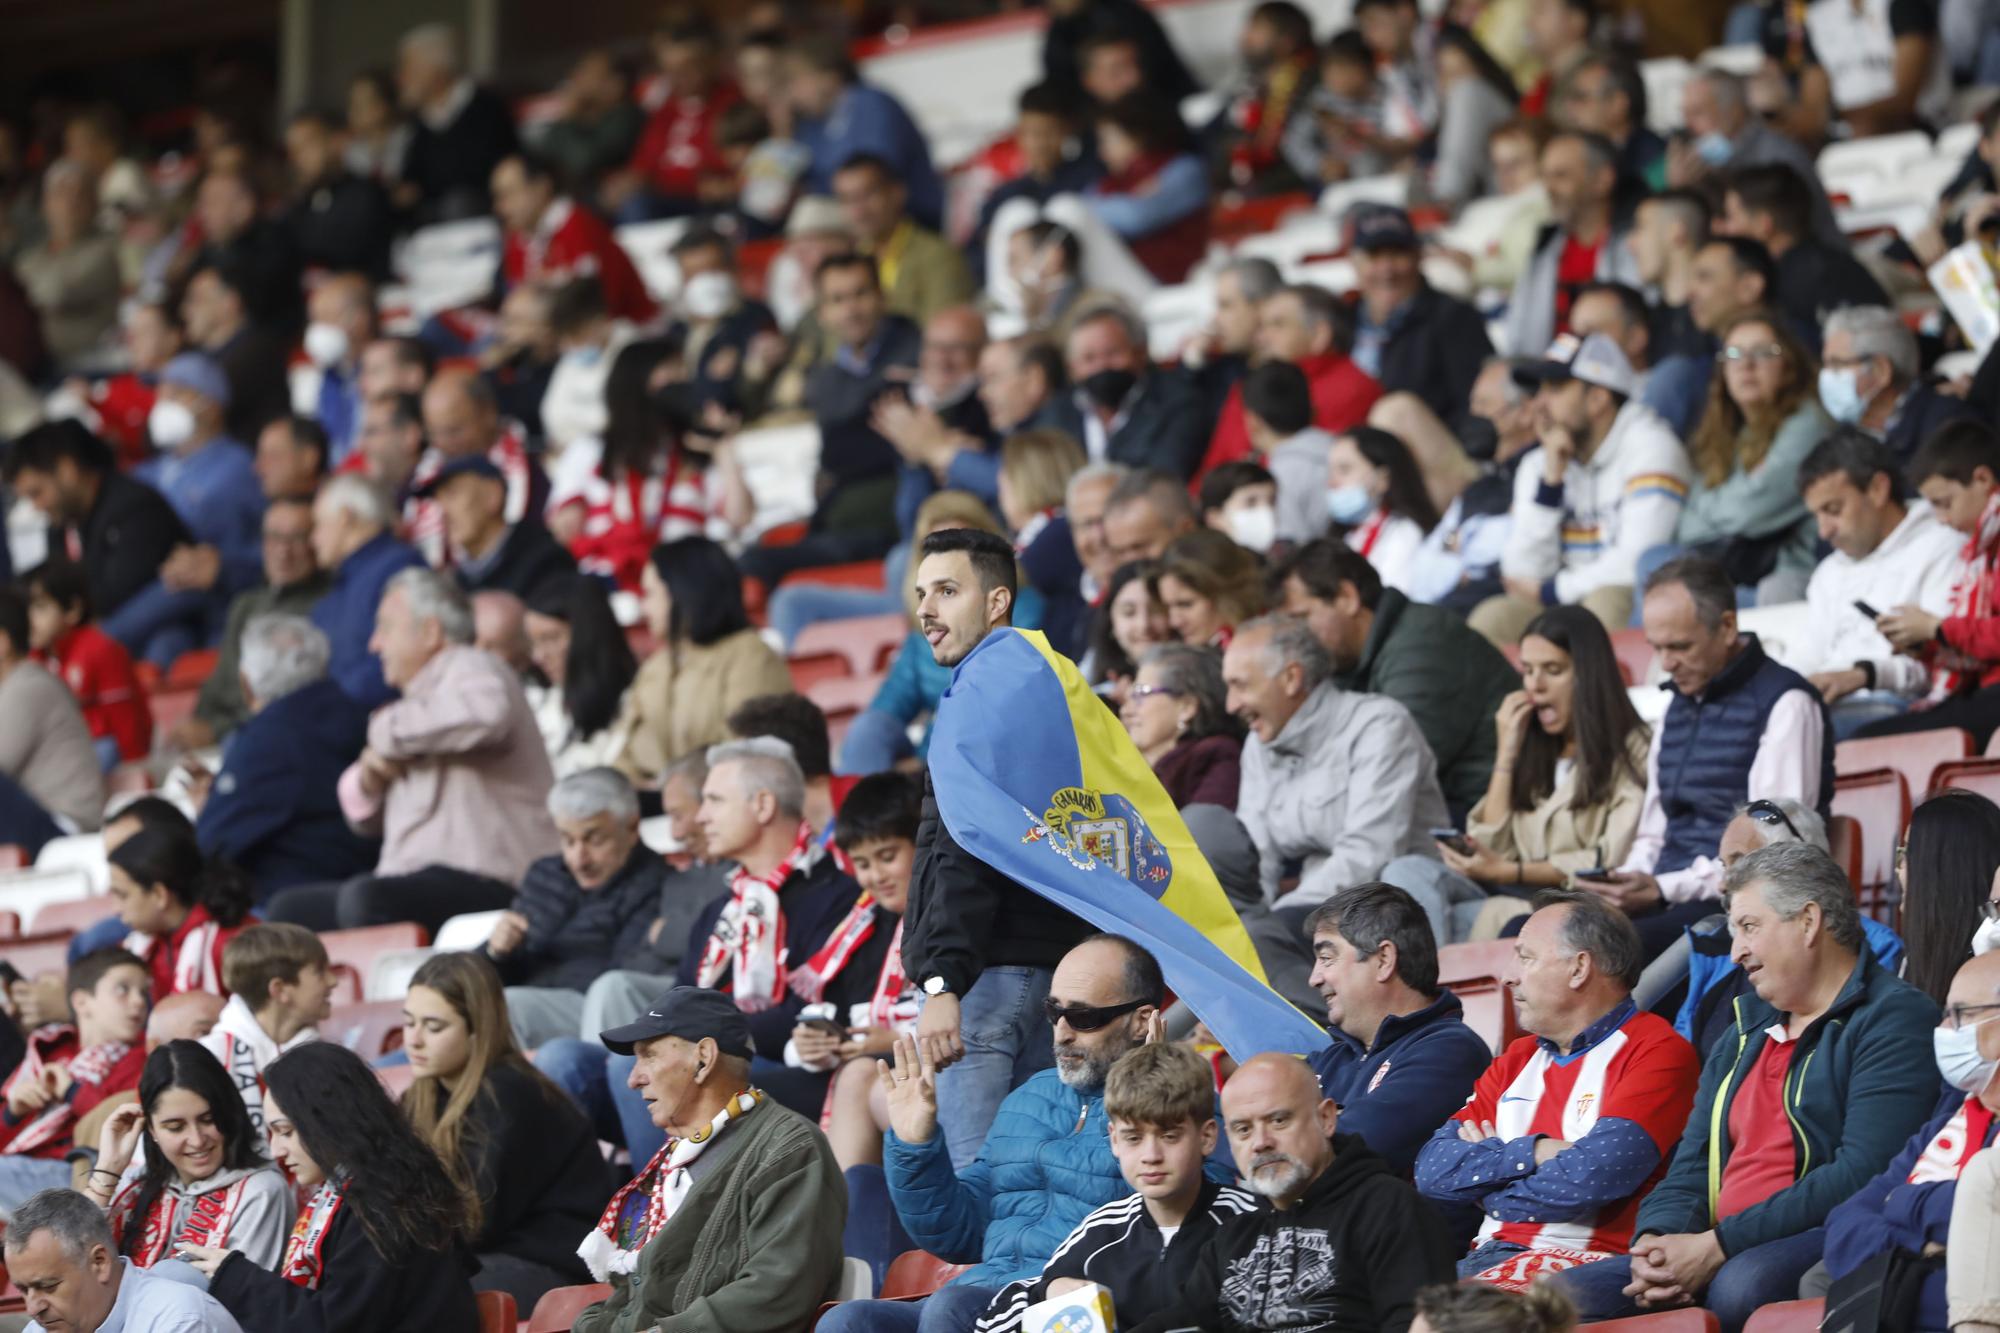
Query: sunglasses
pixel 1772 814
pixel 1087 1017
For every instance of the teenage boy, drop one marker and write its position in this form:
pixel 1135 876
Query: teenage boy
pixel 69 1069
pixel 94 665
pixel 1160 1102
pixel 1958 472
pixel 280 984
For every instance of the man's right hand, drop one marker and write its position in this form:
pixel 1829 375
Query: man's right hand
pixel 508 933
pixel 937 1031
pixel 1837 685
pixel 1558 447
pixel 910 1088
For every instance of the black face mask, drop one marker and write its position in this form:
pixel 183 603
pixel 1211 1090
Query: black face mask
pixel 1480 438
pixel 1109 388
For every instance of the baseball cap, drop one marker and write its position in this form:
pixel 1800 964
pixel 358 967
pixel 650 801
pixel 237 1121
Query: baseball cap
pixel 816 215
pixel 200 374
pixel 476 466
pixel 690 1013
pixel 1594 360
pixel 1384 228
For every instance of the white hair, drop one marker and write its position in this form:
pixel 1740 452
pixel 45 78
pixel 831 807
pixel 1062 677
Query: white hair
pixel 435 42
pixel 432 596
pixel 281 654
pixel 766 764
pixel 1878 331
pixel 1806 827
pixel 1090 472
pixel 594 792
pixel 1292 640
pixel 350 493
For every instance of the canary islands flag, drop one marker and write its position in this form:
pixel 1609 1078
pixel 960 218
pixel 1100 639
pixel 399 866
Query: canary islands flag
pixel 1035 777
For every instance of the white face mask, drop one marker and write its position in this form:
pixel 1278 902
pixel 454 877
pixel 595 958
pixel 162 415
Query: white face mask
pixel 1959 1060
pixel 326 345
pixel 1254 529
pixel 170 424
pixel 1987 938
pixel 708 295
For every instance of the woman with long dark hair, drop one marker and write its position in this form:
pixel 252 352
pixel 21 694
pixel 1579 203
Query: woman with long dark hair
pixel 1569 778
pixel 1949 857
pixel 201 1177
pixel 1376 494
pixel 379 1246
pixel 1129 620
pixel 524 1158
pixel 182 908
pixel 710 658
pixel 576 642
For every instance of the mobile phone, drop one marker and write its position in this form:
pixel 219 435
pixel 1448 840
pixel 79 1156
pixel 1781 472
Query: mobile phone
pixel 1866 609
pixel 1596 875
pixel 1453 839
pixel 832 1029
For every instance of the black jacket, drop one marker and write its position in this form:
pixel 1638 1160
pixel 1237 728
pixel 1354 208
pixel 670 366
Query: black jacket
pixel 1436 352
pixel 1349 1257
pixel 1164 427
pixel 1920 414
pixel 1814 280
pixel 266 258
pixel 343 224
pixel 451 167
pixel 528 555
pixel 542 1182
pixel 575 937
pixel 125 537
pixel 426 1291
pixel 964 916
pixel 841 402
pixel 254 364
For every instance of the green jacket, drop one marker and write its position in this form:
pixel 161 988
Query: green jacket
pixel 1861 1081
pixel 1449 677
pixel 755 1247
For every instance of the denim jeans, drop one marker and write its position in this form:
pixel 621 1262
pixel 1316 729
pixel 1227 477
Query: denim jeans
pixel 875 741
pixel 1006 1038
pixel 23 821
pixel 160 625
pixel 1449 899
pixel 1860 708
pixel 951 1309
pixel 21 1178
pixel 1758 1276
pixel 595 1080
pixel 797 605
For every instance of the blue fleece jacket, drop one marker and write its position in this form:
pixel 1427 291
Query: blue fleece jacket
pixel 347 614
pixel 1417 1074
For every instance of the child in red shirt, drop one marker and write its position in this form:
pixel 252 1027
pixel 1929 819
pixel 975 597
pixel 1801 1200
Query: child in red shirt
pixel 94 665
pixel 182 908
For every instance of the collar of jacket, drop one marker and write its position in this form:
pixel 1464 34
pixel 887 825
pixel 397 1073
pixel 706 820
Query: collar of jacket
pixel 1388 611
pixel 1754 1013
pixel 1296 736
pixel 1444 1009
pixel 1593 1033
pixel 1733 676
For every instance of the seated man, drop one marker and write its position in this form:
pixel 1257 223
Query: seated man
pixel 462 420
pixel 1046 1164
pixel 580 913
pixel 1571 1125
pixel 1121 407
pixel 50 780
pixel 61 1254
pixel 281 989
pixel 1818 1082
pixel 1160 1103
pixel 273 810
pixel 1908 1208
pixel 1402 1058
pixel 1344 1244
pixel 452 779
pixel 1872 377
pixel 1772 205
pixel 735 1222
pixel 1143 514
pixel 354 541
pixel 923 273
pixel 1305 326
pixel 493 553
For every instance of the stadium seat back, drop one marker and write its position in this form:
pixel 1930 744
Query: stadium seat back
pixel 1475 959
pixel 26 892
pixel 1915 755
pixel 497 1312
pixel 859 639
pixel 371 1029
pixel 1489 1011
pixel 557 1310
pixel 76 914
pixel 918 1273
pixel 1843 835
pixel 38 955
pixel 78 851
pixel 353 952
pixel 1974 775
pixel 1664 1321
pixel 809 669
pixel 1635 655
pixel 1787 1317
pixel 1878 801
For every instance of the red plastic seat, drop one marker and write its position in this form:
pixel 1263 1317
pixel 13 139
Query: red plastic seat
pixel 1843 835
pixel 809 669
pixel 862 640
pixel 371 1029
pixel 1665 1321
pixel 10 925
pixel 1489 1010
pixel 192 667
pixel 557 1310
pixel 1914 755
pixel 844 694
pixel 1787 1317
pixel 497 1312
pixel 38 955
pixel 75 915
pixel 1878 801
pixel 1475 959
pixel 354 951
pixel 917 1273
pixel 1981 776
pixel 1635 655
pixel 171 705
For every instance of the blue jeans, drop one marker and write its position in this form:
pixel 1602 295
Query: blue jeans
pixel 951 1309
pixel 23 821
pixel 21 1178
pixel 1860 708
pixel 796 605
pixel 1006 1038
pixel 595 1080
pixel 1758 1276
pixel 159 625
pixel 875 741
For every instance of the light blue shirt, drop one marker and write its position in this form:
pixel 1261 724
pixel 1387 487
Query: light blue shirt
pixel 216 492
pixel 150 1304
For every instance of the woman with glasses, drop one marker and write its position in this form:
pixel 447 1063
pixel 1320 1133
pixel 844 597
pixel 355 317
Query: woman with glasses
pixel 1944 869
pixel 1762 419
pixel 1176 714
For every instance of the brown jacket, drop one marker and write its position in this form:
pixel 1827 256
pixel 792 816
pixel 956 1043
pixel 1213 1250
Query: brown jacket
pixel 682 696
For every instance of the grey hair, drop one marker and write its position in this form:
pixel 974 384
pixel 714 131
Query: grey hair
pixel 1793 874
pixel 691 768
pixel 1255 278
pixel 351 493
pixel 78 1225
pixel 1112 307
pixel 1595 927
pixel 1292 640
pixel 1089 472
pixel 434 596
pixel 281 654
pixel 1725 87
pixel 438 42
pixel 1166 492
pixel 1515 393
pixel 1193 672
pixel 1811 828
pixel 768 764
pixel 1707 583
pixel 1878 331
pixel 593 792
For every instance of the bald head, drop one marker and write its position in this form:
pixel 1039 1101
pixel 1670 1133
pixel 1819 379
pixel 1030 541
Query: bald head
pixel 188 1016
pixel 460 414
pixel 949 364
pixel 499 625
pixel 1280 1126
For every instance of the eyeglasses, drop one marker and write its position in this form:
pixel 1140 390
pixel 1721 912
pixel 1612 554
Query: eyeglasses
pixel 1772 814
pixel 1148 691
pixel 1767 352
pixel 1990 909
pixel 1956 1015
pixel 1087 1017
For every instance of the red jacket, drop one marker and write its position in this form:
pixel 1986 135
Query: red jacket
pixel 48 1132
pixel 99 673
pixel 678 147
pixel 190 958
pixel 571 242
pixel 1342 394
pixel 122 404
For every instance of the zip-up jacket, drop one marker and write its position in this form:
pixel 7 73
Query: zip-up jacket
pixel 1419 1071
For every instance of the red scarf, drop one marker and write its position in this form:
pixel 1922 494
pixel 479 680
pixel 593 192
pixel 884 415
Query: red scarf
pixel 89 1067
pixel 665 1182
pixel 207 1221
pixel 890 985
pixel 304 1264
pixel 749 937
pixel 808 980
pixel 1971 598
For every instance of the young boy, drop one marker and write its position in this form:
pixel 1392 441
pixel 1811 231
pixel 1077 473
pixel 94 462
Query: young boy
pixel 280 986
pixel 1160 1101
pixel 94 665
pixel 1338 136
pixel 1239 499
pixel 71 1068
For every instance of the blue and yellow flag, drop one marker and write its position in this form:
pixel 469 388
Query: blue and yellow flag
pixel 1035 777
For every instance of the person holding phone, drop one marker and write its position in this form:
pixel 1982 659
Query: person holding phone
pixel 1568 782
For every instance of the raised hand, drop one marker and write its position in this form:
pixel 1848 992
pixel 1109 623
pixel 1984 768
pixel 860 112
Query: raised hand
pixel 910 1087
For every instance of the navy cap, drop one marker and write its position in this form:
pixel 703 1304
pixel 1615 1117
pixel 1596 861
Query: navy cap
pixel 479 465
pixel 200 373
pixel 690 1013
pixel 1384 228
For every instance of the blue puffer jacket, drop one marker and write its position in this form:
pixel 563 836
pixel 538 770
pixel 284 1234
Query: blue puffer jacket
pixel 1046 1165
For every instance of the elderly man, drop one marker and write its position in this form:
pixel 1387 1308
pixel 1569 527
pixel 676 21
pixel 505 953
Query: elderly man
pixel 342 314
pixel 1723 131
pixel 500 627
pixel 580 913
pixel 1120 406
pixel 1872 378
pixel 291 458
pixel 1047 1163
pixel 1738 723
pixel 462 420
pixel 272 809
pixel 1818 1082
pixel 1573 1123
pixel 353 539
pixel 1345 1244
pixel 493 553
pixel 923 273
pixel 390 445
pixel 1402 1058
pixel 458 133
pixel 1218 357
pixel 1306 326
pixel 1085 502
pixel 736 1221
pixel 1145 511
pixel 1580 173
pixel 452 780
pixel 1018 379
pixel 71 277
pixel 61 1254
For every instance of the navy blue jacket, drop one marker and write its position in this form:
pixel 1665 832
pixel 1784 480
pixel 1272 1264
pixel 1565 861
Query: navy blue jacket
pixel 347 614
pixel 574 934
pixel 273 810
pixel 1708 743
pixel 1416 1076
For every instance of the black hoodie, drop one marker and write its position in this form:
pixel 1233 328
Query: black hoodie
pixel 1349 1257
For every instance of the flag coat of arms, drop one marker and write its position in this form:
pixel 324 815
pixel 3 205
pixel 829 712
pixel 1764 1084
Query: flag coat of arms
pixel 1036 777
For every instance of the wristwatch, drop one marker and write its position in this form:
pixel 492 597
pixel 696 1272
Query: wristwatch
pixel 936 986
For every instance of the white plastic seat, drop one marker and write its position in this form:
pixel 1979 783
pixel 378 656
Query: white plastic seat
pixel 78 851
pixel 1391 188
pixel 1956 141
pixel 1880 155
pixel 466 931
pixel 648 245
pixel 26 892
pixel 1743 59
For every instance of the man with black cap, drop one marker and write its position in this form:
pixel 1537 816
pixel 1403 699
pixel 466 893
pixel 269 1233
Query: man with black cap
pixel 1607 481
pixel 1411 337
pixel 493 554
pixel 735 1223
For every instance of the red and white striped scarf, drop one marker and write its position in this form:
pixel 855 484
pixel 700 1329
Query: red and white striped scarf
pixel 808 980
pixel 748 941
pixel 207 1221
pixel 304 1264
pixel 90 1066
pixel 665 1182
pixel 1971 597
